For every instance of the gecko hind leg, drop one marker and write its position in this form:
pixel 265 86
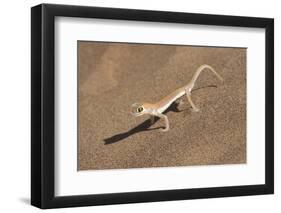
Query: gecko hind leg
pixel 191 103
pixel 179 104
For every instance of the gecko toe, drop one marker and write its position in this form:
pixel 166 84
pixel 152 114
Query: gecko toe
pixel 164 130
pixel 195 110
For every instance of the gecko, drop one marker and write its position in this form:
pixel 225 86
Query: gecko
pixel 157 109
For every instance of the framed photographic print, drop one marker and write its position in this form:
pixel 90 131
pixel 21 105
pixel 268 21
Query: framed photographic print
pixel 139 106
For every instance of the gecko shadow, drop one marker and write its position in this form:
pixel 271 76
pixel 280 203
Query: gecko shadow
pixel 144 126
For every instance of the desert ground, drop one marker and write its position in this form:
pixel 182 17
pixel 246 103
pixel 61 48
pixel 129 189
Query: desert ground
pixel 113 76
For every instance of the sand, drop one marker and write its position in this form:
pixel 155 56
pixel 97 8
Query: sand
pixel 113 76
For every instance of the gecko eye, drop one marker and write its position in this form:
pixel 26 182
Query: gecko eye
pixel 140 109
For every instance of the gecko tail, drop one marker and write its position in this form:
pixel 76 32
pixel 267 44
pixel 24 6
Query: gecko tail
pixel 200 69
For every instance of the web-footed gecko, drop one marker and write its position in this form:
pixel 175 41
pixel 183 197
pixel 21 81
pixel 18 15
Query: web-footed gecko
pixel 159 107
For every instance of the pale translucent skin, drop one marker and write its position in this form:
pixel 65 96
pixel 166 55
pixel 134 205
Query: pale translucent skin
pixel 159 107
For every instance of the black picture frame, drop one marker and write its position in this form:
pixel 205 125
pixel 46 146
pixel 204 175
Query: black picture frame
pixel 43 102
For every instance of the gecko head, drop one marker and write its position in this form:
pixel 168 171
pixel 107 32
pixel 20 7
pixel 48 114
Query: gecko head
pixel 138 109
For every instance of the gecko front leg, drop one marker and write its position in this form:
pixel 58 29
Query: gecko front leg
pixel 167 126
pixel 152 119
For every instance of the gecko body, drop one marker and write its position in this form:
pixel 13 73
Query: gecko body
pixel 157 109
